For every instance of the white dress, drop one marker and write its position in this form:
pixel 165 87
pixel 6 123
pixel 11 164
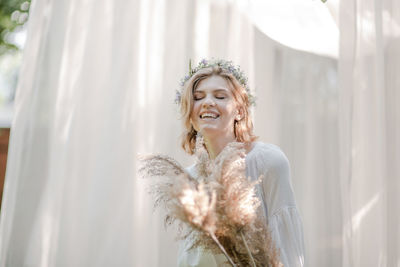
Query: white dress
pixel 278 204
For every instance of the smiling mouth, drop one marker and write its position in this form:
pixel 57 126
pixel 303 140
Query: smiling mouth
pixel 209 116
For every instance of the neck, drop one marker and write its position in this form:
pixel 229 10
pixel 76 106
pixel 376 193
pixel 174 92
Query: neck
pixel 216 145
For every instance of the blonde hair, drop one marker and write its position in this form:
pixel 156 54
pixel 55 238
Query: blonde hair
pixel 243 128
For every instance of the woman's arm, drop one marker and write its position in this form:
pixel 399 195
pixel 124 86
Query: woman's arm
pixel 283 217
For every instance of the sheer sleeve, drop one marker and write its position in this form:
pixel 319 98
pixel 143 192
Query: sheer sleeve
pixel 286 230
pixel 279 203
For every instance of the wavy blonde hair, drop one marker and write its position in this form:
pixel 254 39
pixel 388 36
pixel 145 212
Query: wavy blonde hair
pixel 243 128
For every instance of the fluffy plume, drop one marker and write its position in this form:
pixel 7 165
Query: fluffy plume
pixel 220 206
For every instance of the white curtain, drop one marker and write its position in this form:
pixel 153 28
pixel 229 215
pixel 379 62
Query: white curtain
pixel 369 118
pixel 97 87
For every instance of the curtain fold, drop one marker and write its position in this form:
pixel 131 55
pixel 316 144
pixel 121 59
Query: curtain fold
pixel 369 125
pixel 97 87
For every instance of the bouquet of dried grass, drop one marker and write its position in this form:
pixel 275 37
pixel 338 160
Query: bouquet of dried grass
pixel 220 206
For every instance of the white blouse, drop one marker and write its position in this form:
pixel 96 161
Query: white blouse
pixel 278 204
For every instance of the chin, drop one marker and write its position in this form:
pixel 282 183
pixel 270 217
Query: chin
pixel 211 131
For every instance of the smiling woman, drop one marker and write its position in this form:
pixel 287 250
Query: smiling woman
pixel 215 102
pixel 216 91
pixel 215 113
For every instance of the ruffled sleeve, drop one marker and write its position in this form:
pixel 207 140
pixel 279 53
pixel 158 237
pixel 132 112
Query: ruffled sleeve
pixel 278 201
pixel 286 230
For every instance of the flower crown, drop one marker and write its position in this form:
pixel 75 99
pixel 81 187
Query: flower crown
pixel 224 64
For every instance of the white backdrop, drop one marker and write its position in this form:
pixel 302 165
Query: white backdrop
pixel 97 87
pixel 370 131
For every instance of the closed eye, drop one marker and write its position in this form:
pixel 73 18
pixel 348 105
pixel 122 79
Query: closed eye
pixel 197 96
pixel 220 96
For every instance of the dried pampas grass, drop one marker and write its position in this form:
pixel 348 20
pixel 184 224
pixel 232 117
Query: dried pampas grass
pixel 220 206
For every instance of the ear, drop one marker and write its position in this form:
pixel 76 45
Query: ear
pixel 239 115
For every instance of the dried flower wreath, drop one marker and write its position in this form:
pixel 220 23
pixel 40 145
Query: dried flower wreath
pixel 224 64
pixel 218 208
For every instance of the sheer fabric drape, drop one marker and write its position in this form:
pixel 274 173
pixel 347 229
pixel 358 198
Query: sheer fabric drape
pixel 369 118
pixel 97 87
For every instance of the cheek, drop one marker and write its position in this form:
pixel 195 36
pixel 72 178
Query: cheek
pixel 194 113
pixel 194 110
pixel 231 110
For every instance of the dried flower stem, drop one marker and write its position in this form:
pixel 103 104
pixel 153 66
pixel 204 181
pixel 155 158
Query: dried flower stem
pixel 248 250
pixel 222 249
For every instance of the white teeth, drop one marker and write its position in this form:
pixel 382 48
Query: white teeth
pixel 208 115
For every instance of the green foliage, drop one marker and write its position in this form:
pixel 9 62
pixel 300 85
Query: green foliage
pixel 13 14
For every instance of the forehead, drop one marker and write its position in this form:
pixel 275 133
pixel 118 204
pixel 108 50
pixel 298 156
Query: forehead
pixel 214 82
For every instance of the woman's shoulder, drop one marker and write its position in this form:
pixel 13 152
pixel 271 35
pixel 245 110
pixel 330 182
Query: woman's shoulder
pixel 267 158
pixel 271 162
pixel 267 153
pixel 265 146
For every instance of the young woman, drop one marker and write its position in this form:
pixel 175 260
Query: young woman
pixel 215 102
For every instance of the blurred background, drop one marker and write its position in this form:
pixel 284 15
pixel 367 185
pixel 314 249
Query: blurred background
pixel 13 20
pixel 85 86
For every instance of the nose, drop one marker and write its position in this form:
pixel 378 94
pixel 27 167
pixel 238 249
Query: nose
pixel 208 102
